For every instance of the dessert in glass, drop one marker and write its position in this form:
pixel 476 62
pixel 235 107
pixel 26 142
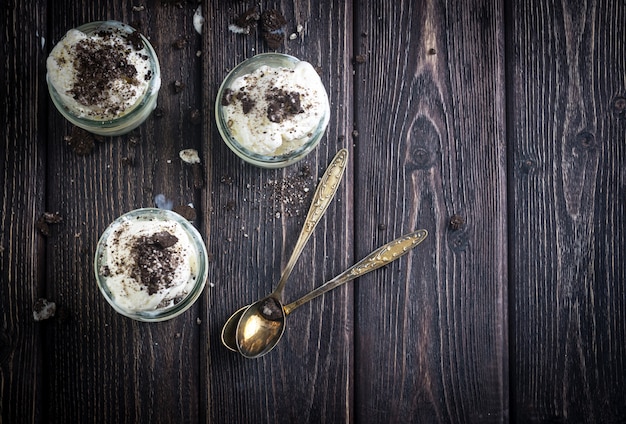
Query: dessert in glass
pixel 104 77
pixel 151 264
pixel 272 110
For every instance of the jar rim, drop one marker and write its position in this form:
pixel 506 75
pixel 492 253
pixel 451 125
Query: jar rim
pixel 265 161
pixel 195 238
pixel 137 113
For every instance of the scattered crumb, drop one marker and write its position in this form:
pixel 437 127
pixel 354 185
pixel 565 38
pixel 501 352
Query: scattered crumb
pixel 140 8
pixel 158 112
pixel 44 221
pixel 290 196
pixel 178 86
pixel 195 116
pixel 273 25
pixel 198 20
pixel 382 227
pixel 133 139
pixel 293 36
pixel 198 321
pixel 81 141
pixel 199 53
pixel 43 309
pixel 244 23
pixel 355 133
pixel 360 58
pixel 186 211
pixel 432 51
pixel 189 156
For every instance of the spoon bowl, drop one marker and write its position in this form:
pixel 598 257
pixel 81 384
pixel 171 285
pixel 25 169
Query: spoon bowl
pixel 262 324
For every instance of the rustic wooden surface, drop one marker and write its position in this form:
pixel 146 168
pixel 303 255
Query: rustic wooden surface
pixel 507 119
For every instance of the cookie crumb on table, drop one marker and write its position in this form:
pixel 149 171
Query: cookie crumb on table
pixel 43 309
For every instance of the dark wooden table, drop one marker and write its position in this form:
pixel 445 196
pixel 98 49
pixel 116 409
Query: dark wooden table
pixel 499 128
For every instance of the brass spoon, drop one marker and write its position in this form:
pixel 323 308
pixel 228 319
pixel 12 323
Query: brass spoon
pixel 263 323
pixel 324 193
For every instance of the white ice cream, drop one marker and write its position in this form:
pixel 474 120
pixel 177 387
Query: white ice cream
pixel 248 102
pixel 125 255
pixel 78 67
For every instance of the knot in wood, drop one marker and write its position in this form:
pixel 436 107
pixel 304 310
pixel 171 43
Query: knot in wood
pixel 619 107
pixel 456 222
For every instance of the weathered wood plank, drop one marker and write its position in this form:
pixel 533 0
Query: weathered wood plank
pixel 567 67
pixel 22 176
pixel 307 377
pixel 431 342
pixel 102 366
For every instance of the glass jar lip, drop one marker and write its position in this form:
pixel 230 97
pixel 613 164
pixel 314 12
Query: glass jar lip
pixel 136 115
pixel 203 260
pixel 265 161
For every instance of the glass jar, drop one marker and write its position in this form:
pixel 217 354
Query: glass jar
pixel 289 151
pixel 142 272
pixel 113 121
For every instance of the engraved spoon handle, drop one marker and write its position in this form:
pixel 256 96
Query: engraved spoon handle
pixel 378 258
pixel 324 193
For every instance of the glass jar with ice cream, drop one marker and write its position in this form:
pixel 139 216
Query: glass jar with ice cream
pixel 272 110
pixel 151 264
pixel 104 77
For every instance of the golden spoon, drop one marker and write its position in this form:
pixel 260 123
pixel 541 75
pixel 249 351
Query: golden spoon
pixel 324 193
pixel 263 323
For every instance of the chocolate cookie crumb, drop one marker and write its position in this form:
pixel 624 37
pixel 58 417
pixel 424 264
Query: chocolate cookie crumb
pixel 178 86
pixel 282 104
pixel 273 24
pixel 247 103
pixel 186 211
pixel 135 40
pixel 45 219
pixel 81 141
pixel 271 309
pixel 43 309
pixel 164 239
pixel 155 263
pixel 360 58
pixel 227 97
pixel 244 23
pixel 195 116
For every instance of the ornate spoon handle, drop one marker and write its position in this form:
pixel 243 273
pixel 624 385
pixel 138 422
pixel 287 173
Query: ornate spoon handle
pixel 378 258
pixel 324 193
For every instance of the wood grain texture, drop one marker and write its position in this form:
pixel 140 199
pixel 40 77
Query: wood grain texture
pixel 568 157
pixel 22 167
pixel 104 367
pixel 307 377
pixel 431 340
pixel 507 119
